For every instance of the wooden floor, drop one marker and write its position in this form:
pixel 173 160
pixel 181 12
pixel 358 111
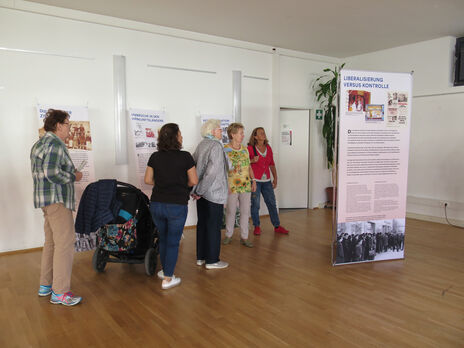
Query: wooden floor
pixel 284 292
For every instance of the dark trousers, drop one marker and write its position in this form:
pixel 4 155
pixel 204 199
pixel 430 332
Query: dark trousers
pixel 209 230
pixel 170 220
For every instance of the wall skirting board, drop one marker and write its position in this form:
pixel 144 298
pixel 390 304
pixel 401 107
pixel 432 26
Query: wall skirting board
pixel 429 209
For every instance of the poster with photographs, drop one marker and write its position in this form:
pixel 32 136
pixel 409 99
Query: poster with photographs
pixel 78 143
pixel 371 240
pixel 145 125
pixel 397 109
pixel 225 122
pixel 357 101
pixel 372 171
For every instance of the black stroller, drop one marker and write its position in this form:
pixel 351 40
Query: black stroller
pixel 132 237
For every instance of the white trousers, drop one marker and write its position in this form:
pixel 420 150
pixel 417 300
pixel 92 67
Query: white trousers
pixel 245 201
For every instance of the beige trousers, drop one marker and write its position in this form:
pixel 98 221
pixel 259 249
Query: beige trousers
pixel 58 250
pixel 245 201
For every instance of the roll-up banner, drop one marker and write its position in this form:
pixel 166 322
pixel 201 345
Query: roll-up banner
pixel 373 150
pixel 145 125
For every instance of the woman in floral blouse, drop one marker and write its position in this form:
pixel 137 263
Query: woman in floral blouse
pixel 241 184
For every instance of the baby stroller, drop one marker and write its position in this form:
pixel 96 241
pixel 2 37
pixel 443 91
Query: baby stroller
pixel 132 236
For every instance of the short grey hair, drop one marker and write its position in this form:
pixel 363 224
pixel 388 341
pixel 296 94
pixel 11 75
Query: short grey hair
pixel 209 126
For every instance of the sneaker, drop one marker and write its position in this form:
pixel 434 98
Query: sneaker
pixel 171 283
pixel 45 290
pixel 227 240
pixel 217 265
pixel 160 274
pixel 200 262
pixel 257 231
pixel 280 229
pixel 67 299
pixel 246 243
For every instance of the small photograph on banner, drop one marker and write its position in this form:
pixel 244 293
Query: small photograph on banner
pixel 357 100
pixel 397 108
pixel 392 99
pixel 371 240
pixel 374 112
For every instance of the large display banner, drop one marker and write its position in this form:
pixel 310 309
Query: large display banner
pixel 373 150
pixel 226 120
pixel 79 142
pixel 145 125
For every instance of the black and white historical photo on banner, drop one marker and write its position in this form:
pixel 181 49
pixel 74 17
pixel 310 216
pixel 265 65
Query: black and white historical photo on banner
pixel 373 240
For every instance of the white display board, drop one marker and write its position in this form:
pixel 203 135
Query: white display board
pixel 145 125
pixel 373 150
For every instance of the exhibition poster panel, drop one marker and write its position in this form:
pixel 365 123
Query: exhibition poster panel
pixel 373 149
pixel 145 125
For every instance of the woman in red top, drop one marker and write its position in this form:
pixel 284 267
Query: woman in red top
pixel 262 164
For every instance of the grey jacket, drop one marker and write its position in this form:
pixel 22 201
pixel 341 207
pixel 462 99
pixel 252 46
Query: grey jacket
pixel 212 169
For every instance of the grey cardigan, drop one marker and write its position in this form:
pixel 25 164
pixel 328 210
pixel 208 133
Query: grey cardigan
pixel 212 169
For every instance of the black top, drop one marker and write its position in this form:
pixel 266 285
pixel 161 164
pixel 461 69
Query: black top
pixel 170 174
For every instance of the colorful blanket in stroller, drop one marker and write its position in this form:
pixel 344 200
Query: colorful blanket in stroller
pixel 118 237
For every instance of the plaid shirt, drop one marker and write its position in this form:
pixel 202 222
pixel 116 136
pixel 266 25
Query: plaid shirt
pixel 53 172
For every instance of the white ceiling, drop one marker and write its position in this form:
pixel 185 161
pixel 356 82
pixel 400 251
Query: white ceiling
pixel 337 28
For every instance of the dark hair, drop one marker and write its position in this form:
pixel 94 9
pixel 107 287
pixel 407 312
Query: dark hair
pixel 53 117
pixel 167 137
pixel 252 141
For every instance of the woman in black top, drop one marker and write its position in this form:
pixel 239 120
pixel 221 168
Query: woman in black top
pixel 171 172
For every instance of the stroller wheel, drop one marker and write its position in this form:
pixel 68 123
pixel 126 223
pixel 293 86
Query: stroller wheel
pixel 100 257
pixel 150 261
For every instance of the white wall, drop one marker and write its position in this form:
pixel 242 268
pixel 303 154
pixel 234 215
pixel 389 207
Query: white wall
pixel 31 78
pixel 297 76
pixel 436 158
pixel 77 69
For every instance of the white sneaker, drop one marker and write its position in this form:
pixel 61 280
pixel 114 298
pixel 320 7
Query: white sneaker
pixel 217 265
pixel 169 284
pixel 161 274
pixel 200 262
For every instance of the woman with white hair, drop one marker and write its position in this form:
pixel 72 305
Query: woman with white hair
pixel 211 194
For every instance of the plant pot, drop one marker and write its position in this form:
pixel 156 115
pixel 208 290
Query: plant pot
pixel 330 198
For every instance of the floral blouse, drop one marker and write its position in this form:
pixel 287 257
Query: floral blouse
pixel 239 173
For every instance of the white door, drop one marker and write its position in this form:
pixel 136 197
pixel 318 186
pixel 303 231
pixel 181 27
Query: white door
pixel 293 159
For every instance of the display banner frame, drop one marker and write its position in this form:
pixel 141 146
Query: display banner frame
pixel 144 128
pixel 372 154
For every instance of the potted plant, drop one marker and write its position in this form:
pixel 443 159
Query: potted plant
pixel 326 89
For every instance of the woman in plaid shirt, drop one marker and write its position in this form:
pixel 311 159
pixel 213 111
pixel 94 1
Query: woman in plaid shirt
pixel 54 175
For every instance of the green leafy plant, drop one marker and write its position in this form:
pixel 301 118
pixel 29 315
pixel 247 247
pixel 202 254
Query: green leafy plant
pixel 326 88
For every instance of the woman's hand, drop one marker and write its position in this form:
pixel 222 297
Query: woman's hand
pixel 78 175
pixel 195 196
pixel 255 159
pixel 274 183
pixel 253 186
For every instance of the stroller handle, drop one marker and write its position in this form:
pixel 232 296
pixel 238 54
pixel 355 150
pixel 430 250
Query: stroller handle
pixel 120 183
pixel 139 191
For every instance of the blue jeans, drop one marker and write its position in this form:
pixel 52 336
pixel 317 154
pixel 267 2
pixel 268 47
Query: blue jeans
pixel 170 219
pixel 266 189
